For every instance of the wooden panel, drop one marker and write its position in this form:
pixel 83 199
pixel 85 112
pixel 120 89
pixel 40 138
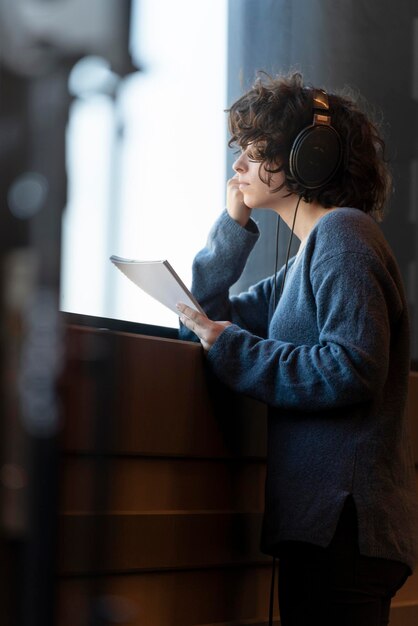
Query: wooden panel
pixel 197 598
pixel 124 543
pixel 177 462
pixel 413 411
pixel 140 484
pixel 162 483
pixel 404 615
pixel 159 386
pixel 245 622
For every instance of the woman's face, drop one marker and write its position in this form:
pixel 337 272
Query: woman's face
pixel 258 194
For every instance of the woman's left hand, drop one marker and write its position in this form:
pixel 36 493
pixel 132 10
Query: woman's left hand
pixel 207 330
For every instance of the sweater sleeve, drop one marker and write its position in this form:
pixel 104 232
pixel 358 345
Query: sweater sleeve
pixel 218 266
pixel 355 301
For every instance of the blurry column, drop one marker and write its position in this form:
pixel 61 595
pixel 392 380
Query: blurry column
pixel 39 44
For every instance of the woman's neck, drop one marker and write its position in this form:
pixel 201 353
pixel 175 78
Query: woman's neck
pixel 309 213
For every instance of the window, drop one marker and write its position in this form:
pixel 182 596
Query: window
pixel 146 158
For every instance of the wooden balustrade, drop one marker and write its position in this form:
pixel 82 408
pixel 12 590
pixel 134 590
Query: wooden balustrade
pixel 162 485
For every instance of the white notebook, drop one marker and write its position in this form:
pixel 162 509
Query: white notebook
pixel 159 280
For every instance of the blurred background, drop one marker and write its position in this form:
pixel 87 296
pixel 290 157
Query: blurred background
pixel 113 141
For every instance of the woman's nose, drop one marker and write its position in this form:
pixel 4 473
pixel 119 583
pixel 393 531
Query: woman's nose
pixel 239 164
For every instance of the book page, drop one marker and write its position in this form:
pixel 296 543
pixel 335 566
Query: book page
pixel 159 280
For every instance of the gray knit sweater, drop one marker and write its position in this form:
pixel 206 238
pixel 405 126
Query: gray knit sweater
pixel 332 363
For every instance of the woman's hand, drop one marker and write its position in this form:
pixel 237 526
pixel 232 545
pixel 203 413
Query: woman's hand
pixel 201 325
pixel 235 204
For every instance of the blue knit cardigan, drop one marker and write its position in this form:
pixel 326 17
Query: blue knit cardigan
pixel 332 363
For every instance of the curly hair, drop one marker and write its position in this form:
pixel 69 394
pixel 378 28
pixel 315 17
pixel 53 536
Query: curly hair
pixel 271 114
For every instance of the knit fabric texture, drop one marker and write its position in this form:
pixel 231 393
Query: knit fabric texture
pixel 332 363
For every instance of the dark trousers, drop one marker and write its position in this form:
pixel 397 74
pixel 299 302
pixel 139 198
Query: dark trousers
pixel 336 586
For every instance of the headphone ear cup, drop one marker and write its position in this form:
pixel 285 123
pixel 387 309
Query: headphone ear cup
pixel 315 156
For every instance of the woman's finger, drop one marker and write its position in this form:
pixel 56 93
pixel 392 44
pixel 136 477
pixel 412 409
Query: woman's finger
pixel 195 321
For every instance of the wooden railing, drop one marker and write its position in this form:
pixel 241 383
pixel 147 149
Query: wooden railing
pixel 162 485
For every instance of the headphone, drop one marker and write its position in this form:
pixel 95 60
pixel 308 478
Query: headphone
pixel 316 152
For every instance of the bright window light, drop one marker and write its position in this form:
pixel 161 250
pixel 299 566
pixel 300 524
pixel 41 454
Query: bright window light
pixel 147 164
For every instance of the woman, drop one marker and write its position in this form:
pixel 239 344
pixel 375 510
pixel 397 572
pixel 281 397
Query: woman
pixel 325 344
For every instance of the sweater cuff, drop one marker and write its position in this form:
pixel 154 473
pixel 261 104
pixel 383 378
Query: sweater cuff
pixel 230 227
pixel 216 354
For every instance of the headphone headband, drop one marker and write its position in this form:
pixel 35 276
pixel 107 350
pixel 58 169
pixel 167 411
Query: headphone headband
pixel 320 103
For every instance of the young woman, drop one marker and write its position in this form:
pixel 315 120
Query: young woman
pixel 325 343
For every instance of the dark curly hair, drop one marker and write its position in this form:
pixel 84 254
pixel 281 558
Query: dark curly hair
pixel 271 114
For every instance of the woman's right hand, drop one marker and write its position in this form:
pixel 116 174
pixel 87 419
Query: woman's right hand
pixel 235 204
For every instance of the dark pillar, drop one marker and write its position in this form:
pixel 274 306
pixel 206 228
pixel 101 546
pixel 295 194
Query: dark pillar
pixel 34 102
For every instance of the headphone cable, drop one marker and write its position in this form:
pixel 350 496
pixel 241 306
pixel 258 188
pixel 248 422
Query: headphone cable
pixel 288 248
pixel 276 263
pixel 272 589
pixel 277 255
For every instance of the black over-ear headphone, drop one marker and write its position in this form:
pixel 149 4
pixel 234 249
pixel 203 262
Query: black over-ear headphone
pixel 316 152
